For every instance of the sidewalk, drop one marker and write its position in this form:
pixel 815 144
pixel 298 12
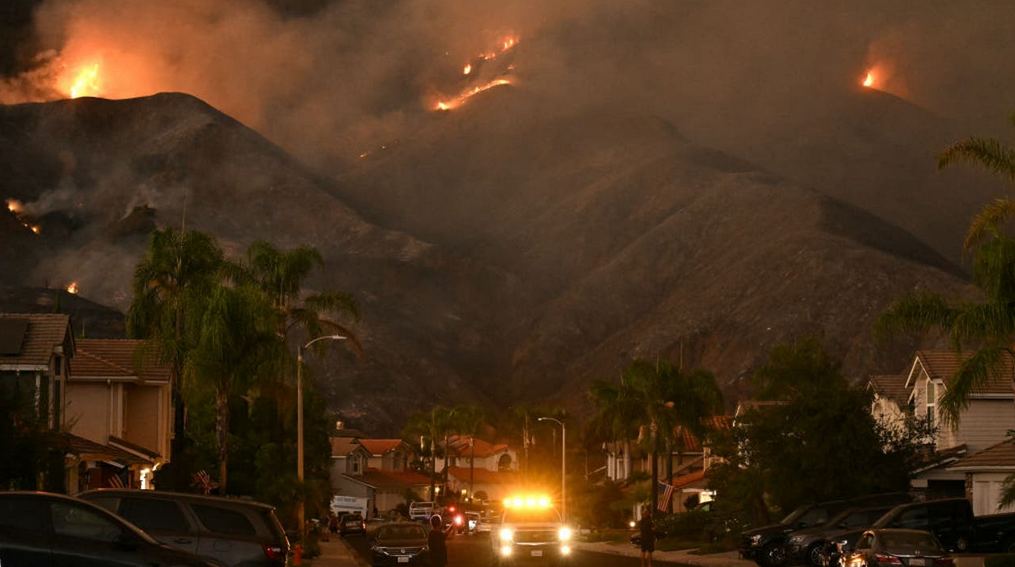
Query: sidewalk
pixel 684 557
pixel 336 553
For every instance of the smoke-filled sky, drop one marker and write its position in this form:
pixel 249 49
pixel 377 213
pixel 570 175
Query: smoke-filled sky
pixel 329 80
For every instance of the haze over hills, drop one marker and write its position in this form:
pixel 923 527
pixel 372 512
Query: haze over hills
pixel 503 253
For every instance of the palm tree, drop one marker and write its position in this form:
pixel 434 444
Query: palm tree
pixel 467 420
pixel 428 427
pixel 617 417
pixel 172 283
pixel 990 323
pixel 237 346
pixel 659 397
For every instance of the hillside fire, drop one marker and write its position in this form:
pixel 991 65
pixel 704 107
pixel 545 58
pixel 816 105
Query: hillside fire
pixel 868 80
pixel 73 288
pixel 85 82
pixel 462 98
pixel 16 208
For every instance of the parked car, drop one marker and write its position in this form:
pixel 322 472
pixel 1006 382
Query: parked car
pixel 807 545
pixel 896 548
pixel 229 530
pixel 951 520
pixel 352 524
pixel 471 522
pixel 38 528
pixel 767 545
pixel 400 543
pixel 421 511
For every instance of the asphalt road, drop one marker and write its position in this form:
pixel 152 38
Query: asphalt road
pixel 475 551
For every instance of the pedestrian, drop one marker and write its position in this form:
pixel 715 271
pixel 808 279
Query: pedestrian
pixel 648 537
pixel 437 540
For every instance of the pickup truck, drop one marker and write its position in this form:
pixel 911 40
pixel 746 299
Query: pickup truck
pixel 421 511
pixel 950 519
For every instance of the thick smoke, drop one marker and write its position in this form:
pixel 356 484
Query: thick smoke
pixel 344 77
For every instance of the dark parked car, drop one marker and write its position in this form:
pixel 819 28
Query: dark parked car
pixel 898 548
pixel 808 545
pixel 37 528
pixel 351 524
pixel 767 545
pixel 229 530
pixel 400 543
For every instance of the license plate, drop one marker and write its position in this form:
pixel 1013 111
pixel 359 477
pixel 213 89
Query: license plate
pixel 916 562
pixel 403 559
pixel 537 553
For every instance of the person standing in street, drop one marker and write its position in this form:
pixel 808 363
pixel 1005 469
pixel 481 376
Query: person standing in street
pixel 437 540
pixel 648 537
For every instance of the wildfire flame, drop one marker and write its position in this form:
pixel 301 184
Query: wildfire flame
pixel 86 82
pixel 869 79
pixel 460 99
pixel 467 69
pixel 14 206
pixel 33 227
pixel 73 288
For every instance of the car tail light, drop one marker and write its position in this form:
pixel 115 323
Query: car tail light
pixel 274 552
pixel 886 559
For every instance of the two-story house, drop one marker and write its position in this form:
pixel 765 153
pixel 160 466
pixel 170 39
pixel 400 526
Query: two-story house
pixel 373 474
pixel 981 425
pixel 479 469
pixel 119 395
pixel 35 355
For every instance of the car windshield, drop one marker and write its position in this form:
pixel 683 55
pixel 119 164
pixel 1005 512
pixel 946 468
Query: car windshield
pixel 908 542
pixel 400 533
pixel 795 514
pixel 531 515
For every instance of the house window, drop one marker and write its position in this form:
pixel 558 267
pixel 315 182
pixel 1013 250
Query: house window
pixel 355 465
pixel 931 402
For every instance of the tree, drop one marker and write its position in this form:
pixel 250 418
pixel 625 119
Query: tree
pixel 658 397
pixel 467 420
pixel 237 346
pixel 172 283
pixel 428 427
pixel 990 324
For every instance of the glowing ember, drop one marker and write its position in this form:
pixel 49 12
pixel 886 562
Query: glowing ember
pixel 86 83
pixel 14 206
pixel 460 100
pixel 34 228
pixel 467 69
pixel 869 80
pixel 73 288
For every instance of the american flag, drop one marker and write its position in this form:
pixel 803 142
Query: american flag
pixel 204 482
pixel 114 481
pixel 665 493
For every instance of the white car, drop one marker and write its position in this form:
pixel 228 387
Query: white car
pixel 421 511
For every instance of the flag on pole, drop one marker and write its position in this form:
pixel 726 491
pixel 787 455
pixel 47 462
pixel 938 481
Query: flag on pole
pixel 114 481
pixel 665 493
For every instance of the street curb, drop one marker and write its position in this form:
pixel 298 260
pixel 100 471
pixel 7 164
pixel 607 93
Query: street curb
pixel 728 559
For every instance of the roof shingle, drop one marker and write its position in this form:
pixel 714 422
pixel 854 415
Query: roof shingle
pixel 943 364
pixel 46 332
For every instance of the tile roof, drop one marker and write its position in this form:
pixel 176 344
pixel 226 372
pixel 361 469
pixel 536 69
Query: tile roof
pixel 88 450
pixel 690 479
pixel 483 448
pixel 892 387
pixel 116 358
pixel 1000 456
pixel 691 443
pixel 378 447
pixel 45 332
pixel 943 364
pixel 390 480
pixel 483 476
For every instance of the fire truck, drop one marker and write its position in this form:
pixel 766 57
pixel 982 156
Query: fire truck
pixel 531 532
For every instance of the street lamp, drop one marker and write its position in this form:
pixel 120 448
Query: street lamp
pixel 563 461
pixel 299 419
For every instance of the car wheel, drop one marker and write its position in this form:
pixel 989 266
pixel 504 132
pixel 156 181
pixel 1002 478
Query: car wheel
pixel 814 555
pixel 773 555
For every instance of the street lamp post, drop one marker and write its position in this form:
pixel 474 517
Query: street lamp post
pixel 563 468
pixel 299 421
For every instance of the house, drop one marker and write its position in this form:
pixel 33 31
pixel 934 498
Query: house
pixel 35 355
pixel 889 398
pixel 688 453
pixel 986 472
pixel 375 471
pixel 119 395
pixel 461 449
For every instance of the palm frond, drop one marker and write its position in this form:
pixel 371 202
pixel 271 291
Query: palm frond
pixel 988 153
pixel 974 373
pixel 992 215
pixel 333 302
pixel 916 312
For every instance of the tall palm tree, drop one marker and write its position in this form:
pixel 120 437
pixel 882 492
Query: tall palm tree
pixel 617 417
pixel 428 427
pixel 467 420
pixel 237 346
pixel 990 323
pixel 172 283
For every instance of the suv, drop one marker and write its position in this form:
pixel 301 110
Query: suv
pixel 531 531
pixel 421 511
pixel 231 531
pixel 38 528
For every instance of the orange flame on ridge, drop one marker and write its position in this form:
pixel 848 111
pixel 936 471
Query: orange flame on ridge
pixel 460 100
pixel 869 79
pixel 73 288
pixel 467 69
pixel 86 82
pixel 14 206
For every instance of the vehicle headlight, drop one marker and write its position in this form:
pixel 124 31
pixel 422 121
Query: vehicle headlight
pixel 564 533
pixel 632 524
pixel 507 534
pixel 755 539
